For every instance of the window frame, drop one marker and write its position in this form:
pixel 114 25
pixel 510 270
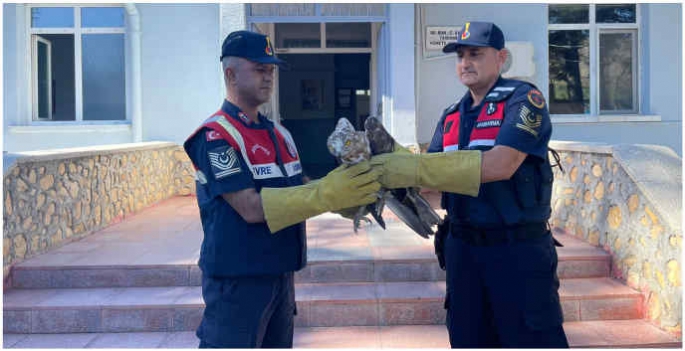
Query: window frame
pixel 595 29
pixel 77 31
pixel 35 41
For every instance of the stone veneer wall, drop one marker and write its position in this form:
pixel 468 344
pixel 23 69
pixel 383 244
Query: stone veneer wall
pixel 626 199
pixel 56 196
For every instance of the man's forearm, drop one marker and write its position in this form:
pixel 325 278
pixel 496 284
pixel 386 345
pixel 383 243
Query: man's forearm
pixel 248 203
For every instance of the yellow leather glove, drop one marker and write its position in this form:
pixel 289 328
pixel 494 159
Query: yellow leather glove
pixel 454 172
pixel 343 187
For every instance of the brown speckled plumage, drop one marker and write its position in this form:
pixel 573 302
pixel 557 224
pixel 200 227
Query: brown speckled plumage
pixel 351 146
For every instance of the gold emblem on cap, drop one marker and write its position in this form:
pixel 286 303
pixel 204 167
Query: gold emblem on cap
pixel 466 34
pixel 268 49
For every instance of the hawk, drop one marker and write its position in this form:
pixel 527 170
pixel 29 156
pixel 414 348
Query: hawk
pixel 350 146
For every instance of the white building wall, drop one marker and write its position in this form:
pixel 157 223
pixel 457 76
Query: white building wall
pixel 10 108
pixel 233 18
pixel 181 72
pixel 401 73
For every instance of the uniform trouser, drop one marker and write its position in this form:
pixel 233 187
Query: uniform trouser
pixel 248 312
pixel 503 296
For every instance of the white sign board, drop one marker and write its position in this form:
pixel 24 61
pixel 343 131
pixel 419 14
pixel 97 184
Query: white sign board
pixel 437 37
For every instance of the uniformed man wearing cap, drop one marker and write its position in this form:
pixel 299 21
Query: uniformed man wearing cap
pixel 253 205
pixel 500 257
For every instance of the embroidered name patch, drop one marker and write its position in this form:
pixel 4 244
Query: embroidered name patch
pixel 224 161
pixel 489 124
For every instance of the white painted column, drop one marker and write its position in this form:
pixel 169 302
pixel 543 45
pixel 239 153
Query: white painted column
pixel 232 17
pixel 136 73
pixel 401 74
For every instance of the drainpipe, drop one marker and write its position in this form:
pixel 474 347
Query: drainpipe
pixel 136 86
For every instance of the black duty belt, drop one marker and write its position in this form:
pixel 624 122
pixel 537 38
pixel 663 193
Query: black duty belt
pixel 498 236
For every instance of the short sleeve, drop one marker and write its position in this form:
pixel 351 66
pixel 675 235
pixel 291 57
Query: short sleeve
pixel 526 126
pixel 221 168
pixel 436 142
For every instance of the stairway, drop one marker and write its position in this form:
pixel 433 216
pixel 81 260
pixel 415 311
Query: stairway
pixel 136 284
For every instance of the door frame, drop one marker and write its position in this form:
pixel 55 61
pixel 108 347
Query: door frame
pixel 268 26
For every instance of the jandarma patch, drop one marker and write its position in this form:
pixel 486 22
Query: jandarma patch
pixel 224 161
pixel 489 124
pixel 536 99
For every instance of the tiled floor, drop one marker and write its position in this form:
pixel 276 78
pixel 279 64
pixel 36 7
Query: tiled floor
pixel 171 233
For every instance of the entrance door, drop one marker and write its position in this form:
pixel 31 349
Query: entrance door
pixel 317 91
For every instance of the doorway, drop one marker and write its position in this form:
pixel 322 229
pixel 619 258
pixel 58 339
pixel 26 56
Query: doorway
pixel 317 91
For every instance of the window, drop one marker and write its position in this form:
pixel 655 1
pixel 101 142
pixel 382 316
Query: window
pixel 593 54
pixel 355 35
pixel 77 63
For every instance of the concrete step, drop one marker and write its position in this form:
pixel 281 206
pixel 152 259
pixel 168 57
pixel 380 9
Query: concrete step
pixel 107 266
pixel 596 334
pixel 169 309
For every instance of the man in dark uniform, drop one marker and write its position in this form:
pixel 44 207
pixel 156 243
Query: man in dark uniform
pixel 502 286
pixel 253 205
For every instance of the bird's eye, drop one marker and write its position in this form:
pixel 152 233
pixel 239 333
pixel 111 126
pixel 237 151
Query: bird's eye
pixel 347 143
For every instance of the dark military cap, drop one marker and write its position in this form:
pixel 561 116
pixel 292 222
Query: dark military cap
pixel 485 34
pixel 251 46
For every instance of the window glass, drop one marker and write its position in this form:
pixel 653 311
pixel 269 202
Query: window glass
pixel 298 35
pixel 52 17
pixel 61 75
pixel 569 72
pixel 348 35
pixel 616 71
pixel 560 14
pixel 103 77
pixel 624 13
pixel 102 17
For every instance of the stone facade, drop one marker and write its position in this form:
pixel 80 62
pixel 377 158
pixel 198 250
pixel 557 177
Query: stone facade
pixel 55 198
pixel 603 199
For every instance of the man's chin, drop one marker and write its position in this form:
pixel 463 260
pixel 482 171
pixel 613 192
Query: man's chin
pixel 469 82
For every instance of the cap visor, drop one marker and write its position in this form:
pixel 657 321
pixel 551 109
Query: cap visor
pixel 272 60
pixel 452 47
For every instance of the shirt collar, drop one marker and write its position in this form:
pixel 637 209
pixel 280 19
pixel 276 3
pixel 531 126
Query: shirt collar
pixel 236 113
pixel 467 99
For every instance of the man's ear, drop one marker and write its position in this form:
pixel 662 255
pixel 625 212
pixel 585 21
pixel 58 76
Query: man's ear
pixel 502 55
pixel 229 75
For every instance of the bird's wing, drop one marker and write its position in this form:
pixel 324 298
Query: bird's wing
pixel 406 203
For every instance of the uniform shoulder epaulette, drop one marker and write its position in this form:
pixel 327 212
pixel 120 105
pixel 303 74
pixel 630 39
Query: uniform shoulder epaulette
pixel 506 88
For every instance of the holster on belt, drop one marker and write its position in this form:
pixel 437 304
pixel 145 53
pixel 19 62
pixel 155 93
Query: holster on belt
pixel 439 241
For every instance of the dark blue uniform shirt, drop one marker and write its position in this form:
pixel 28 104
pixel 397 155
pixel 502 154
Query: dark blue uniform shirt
pixel 526 127
pixel 231 246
